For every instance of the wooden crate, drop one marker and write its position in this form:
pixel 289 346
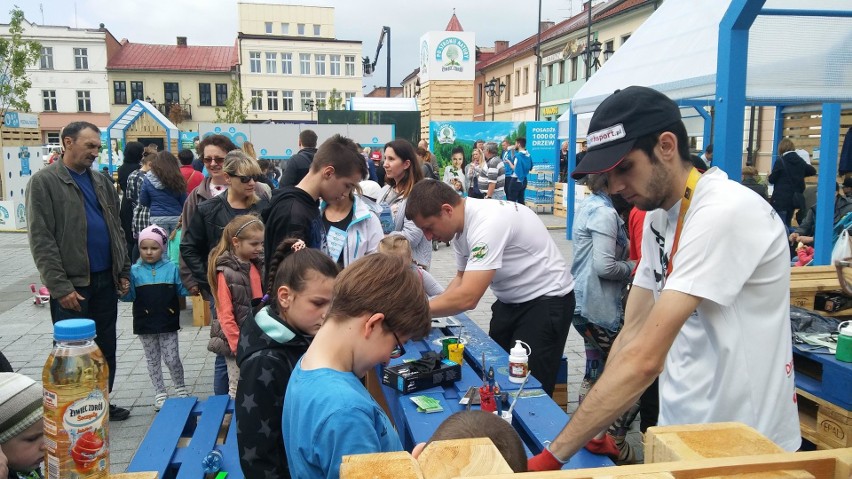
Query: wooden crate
pixel 559 209
pixel 703 441
pixel 807 281
pixel 200 311
pixel 826 425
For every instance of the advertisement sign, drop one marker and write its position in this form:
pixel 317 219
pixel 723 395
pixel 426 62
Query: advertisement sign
pixel 186 140
pixel 280 142
pixel 114 146
pixel 13 216
pixel 542 143
pixel 14 119
pixel 447 56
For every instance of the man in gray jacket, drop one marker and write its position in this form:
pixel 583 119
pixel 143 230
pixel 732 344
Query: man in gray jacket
pixel 77 242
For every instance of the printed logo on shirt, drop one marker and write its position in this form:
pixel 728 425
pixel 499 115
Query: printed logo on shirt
pixel 660 275
pixel 478 252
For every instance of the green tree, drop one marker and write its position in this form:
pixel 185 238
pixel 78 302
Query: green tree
pixel 335 101
pixel 17 54
pixel 235 109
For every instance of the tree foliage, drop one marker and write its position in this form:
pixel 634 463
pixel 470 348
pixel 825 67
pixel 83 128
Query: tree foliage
pixel 335 100
pixel 16 54
pixel 235 109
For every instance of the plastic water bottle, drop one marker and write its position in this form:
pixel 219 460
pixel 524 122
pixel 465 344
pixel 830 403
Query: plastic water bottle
pixel 212 462
pixel 519 357
pixel 386 219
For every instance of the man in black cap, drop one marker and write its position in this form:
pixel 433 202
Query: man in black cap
pixel 709 308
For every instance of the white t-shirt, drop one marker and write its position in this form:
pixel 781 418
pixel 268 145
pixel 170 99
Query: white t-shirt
pixel 509 238
pixel 732 360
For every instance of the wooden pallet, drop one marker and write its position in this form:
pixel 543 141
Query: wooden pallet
pixel 183 433
pixel 823 376
pixel 807 281
pixel 824 424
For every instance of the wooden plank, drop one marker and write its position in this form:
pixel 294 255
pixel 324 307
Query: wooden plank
pixel 135 475
pixel 701 441
pixel 161 440
pixel 833 464
pixel 462 458
pixel 823 423
pixel 200 311
pixel 389 465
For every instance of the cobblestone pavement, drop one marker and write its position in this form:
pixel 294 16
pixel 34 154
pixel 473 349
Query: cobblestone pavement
pixel 26 339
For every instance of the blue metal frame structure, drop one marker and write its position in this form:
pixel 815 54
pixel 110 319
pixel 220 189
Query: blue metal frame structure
pixel 730 103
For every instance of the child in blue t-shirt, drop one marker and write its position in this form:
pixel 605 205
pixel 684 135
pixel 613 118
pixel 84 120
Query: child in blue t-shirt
pixel 378 304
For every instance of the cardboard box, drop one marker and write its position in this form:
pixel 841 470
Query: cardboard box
pixel 407 379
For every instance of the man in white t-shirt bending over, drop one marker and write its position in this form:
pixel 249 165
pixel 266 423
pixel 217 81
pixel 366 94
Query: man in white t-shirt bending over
pixel 504 245
pixel 709 310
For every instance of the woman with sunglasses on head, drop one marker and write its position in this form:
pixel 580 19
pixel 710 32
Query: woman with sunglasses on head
pixel 378 304
pixel 204 230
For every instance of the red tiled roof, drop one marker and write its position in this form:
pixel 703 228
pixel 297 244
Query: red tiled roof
pixel 454 25
pixel 140 56
pixel 599 12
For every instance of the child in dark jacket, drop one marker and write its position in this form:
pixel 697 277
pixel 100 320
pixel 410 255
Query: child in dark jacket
pixel 154 289
pixel 271 344
pixel 233 274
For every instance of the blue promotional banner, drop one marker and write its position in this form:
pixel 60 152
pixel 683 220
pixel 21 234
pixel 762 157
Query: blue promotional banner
pixel 542 143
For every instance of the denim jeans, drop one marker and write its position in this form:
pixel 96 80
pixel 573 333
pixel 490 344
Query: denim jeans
pixel 100 304
pixel 167 223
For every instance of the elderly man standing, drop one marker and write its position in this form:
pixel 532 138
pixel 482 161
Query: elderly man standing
pixel 77 242
pixel 493 174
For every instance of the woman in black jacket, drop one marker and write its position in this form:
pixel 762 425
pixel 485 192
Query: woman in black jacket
pixel 132 162
pixel 788 177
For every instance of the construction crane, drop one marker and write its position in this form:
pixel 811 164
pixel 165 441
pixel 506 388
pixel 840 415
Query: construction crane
pixel 369 67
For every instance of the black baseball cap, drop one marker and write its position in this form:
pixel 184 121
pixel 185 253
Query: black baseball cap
pixel 619 121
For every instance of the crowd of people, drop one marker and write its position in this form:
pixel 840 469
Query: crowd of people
pixel 316 275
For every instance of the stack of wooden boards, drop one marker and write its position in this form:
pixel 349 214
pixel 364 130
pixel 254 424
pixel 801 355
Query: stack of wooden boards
pixel 672 452
pixel 807 281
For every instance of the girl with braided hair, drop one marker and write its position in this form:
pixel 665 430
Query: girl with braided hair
pixel 299 295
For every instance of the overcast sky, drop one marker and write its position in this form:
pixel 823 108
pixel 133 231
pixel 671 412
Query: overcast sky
pixel 214 22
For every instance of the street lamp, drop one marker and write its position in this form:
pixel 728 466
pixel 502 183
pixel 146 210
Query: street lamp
pixel 310 106
pixel 592 54
pixel 493 88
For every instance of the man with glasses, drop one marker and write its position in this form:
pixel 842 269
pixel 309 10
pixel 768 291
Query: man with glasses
pixel 77 242
pixel 709 310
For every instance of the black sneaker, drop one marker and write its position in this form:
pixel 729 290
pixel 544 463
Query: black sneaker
pixel 118 413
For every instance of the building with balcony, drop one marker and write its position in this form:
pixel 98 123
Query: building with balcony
pixel 290 63
pixel 69 81
pixel 186 83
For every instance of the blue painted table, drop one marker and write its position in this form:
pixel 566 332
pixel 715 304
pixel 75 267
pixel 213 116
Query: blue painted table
pixel 536 417
pixel 165 448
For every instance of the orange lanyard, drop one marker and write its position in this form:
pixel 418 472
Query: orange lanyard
pixel 688 193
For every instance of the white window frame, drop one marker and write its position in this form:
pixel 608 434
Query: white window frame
pixel 272 100
pixel 334 65
pixel 286 63
pixel 317 30
pixel 46 58
pixel 349 65
pixel 48 98
pixel 84 101
pixel 81 58
pixel 319 64
pixel 303 98
pixel 285 28
pixel 267 27
pixel 304 63
pixel 254 62
pixel 300 29
pixel 271 62
pixel 287 100
pixel 256 100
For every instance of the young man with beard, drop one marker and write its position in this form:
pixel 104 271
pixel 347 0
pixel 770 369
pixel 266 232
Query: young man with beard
pixel 714 276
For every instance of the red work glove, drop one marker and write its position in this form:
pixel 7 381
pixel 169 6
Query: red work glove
pixel 545 461
pixel 605 445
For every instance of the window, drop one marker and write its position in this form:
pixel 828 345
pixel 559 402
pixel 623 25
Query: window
pixel 305 96
pixel 136 90
pixel 171 92
pixel 286 63
pixel 49 97
pixel 257 99
pixel 84 100
pixel 335 65
pixel 508 88
pixel 119 90
pixel 349 65
pixel 563 73
pixel 548 75
pixel 81 58
pixel 574 68
pixel 624 38
pixel 320 61
pixel 317 30
pixel 268 26
pixel 205 96
pixel 254 62
pixel 53 138
pixel 321 100
pixel 272 100
pixel 300 28
pixel 479 94
pixel 285 28
pixel 608 46
pixel 305 63
pixel 517 82
pixel 46 58
pixel 271 62
pixel 287 100
pixel 221 94
pixel 348 95
pixel 526 80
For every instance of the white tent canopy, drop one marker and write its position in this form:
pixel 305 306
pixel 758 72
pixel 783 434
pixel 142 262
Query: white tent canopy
pixel 791 59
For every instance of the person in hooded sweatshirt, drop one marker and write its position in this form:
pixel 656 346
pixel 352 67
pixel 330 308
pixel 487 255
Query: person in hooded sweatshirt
pixel 294 211
pixel 352 227
pixel 271 343
pixel 164 191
